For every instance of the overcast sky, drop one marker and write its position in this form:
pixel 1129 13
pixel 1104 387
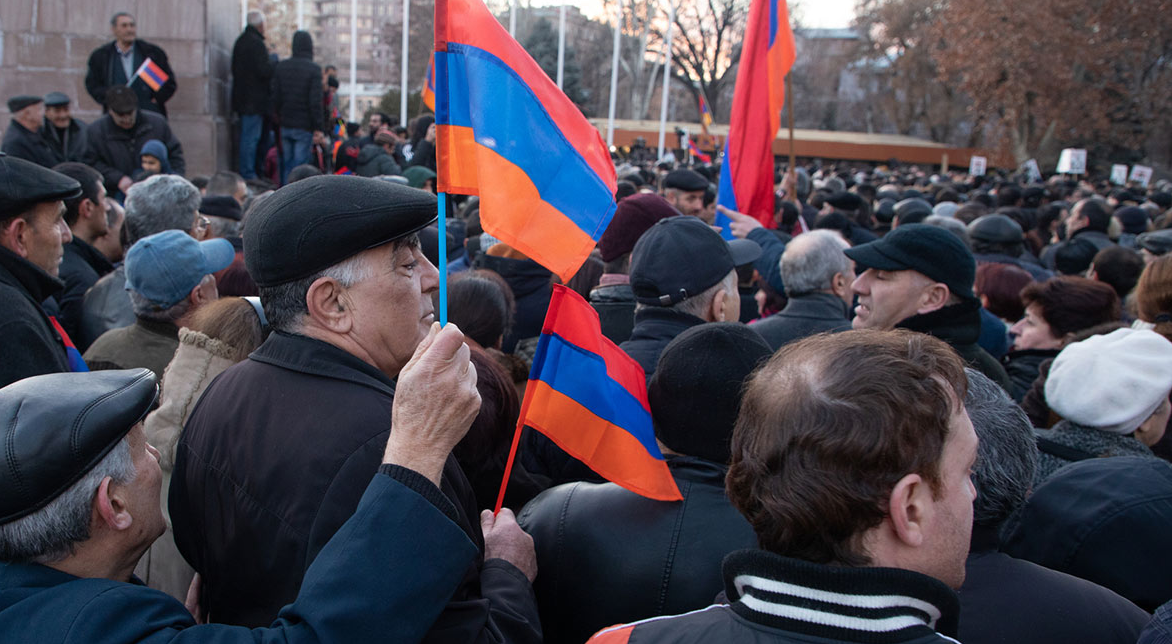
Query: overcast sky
pixel 814 13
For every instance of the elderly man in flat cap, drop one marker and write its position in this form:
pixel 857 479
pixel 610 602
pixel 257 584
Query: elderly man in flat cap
pixel 32 238
pixel 23 138
pixel 64 134
pixel 81 506
pixel 277 451
pixel 684 189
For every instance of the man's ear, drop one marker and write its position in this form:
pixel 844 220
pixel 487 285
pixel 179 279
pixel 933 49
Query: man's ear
pixel 110 508
pixel 934 297
pixel 907 509
pixel 13 233
pixel 328 305
pixel 718 306
pixel 841 284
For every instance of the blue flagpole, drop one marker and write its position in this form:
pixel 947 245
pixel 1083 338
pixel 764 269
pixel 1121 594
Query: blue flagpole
pixel 443 258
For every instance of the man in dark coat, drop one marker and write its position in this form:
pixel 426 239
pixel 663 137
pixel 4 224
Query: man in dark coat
pixel 64 134
pixel 683 274
pixel 920 277
pixel 23 139
pixel 117 62
pixel 252 75
pixel 818 277
pixel 1088 223
pixel 1005 599
pixel 296 94
pixel 285 441
pixel 81 509
pixel 83 265
pixel 32 235
pixel 116 139
pixel 608 555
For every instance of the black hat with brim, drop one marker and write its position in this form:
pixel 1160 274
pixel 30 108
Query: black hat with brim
pixel 931 251
pixel 24 184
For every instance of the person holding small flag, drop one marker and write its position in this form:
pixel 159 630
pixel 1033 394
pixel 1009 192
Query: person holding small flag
pixel 130 62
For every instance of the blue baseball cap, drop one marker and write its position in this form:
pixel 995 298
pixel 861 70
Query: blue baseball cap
pixel 164 267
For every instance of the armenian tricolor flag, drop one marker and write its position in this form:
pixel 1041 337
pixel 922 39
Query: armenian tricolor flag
pixel 705 113
pixel 507 133
pixel 590 398
pixel 76 363
pixel 697 153
pixel 746 176
pixel 151 74
pixel 429 84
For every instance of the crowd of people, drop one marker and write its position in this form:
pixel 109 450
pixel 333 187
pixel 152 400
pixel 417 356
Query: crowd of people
pixel 912 407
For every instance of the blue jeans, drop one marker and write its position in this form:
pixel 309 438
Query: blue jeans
pixel 295 146
pixel 250 129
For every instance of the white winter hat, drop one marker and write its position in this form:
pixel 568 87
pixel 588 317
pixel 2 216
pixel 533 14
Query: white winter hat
pixel 1111 382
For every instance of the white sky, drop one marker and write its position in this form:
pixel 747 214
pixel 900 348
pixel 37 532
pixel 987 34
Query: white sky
pixel 814 13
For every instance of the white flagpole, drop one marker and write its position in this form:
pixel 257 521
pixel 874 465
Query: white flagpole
pixel 561 45
pixel 513 18
pixel 671 18
pixel 243 13
pixel 300 14
pixel 403 67
pixel 614 76
pixel 353 56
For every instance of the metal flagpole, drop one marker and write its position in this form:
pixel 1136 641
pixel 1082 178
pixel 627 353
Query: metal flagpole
pixel 301 14
pixel 403 66
pixel 614 76
pixel 353 56
pixel 243 13
pixel 671 18
pixel 513 18
pixel 561 45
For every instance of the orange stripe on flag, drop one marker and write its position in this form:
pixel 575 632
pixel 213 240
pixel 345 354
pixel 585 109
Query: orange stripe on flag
pixel 610 450
pixel 612 635
pixel 457 152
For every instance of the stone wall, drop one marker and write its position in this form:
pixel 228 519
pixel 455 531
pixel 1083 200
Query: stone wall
pixel 44 46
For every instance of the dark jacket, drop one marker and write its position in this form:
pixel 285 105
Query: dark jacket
pixel 654 328
pixel 374 161
pixel 804 315
pixel 609 556
pixel 373 579
pixel 106 306
pixel 761 614
pixel 1035 270
pixel 113 151
pixel 532 288
pixel 29 345
pixel 994 338
pixel 145 343
pixel 68 144
pixel 960 325
pixel 23 143
pixel 273 460
pixel 615 304
pixel 1086 443
pixel 1004 599
pixel 1022 368
pixel 769 263
pixel 1098 239
pixel 81 267
pixel 424 155
pixel 296 87
pixel 252 73
pixel 105 71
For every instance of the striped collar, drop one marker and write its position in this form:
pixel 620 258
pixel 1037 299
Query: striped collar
pixel 866 605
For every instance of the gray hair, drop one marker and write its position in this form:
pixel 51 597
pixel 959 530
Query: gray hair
pixel 223 227
pixel 225 183
pixel 114 18
pixel 954 226
pixel 50 534
pixel 255 19
pixel 696 305
pixel 811 261
pixel 162 202
pixel 285 305
pixel 1007 454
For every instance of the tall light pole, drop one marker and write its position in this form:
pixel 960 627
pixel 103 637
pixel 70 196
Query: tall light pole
pixel 671 18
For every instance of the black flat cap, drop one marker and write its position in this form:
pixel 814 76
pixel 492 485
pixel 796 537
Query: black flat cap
pixel 931 251
pixel 317 222
pixel 18 103
pixel 686 180
pixel 56 99
pixel 55 428
pixel 1157 242
pixel 221 206
pixel 24 184
pixel 912 206
pixel 680 257
pixel 847 201
pixel 695 393
pixel 996 229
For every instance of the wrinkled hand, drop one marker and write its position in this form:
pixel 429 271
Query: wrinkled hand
pixel 740 223
pixel 504 539
pixel 435 402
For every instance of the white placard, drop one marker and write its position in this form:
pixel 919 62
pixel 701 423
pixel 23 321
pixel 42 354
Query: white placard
pixel 1141 174
pixel 1033 172
pixel 1072 161
pixel 977 166
pixel 1118 174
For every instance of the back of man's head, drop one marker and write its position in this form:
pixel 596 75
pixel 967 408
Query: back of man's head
pixel 829 427
pixel 226 183
pixel 811 261
pixel 162 202
pixel 90 181
pixel 1006 454
pixel 1095 213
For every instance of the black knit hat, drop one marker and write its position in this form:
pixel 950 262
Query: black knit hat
pixel 317 222
pixel 632 218
pixel 695 393
pixel 221 206
pixel 931 251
